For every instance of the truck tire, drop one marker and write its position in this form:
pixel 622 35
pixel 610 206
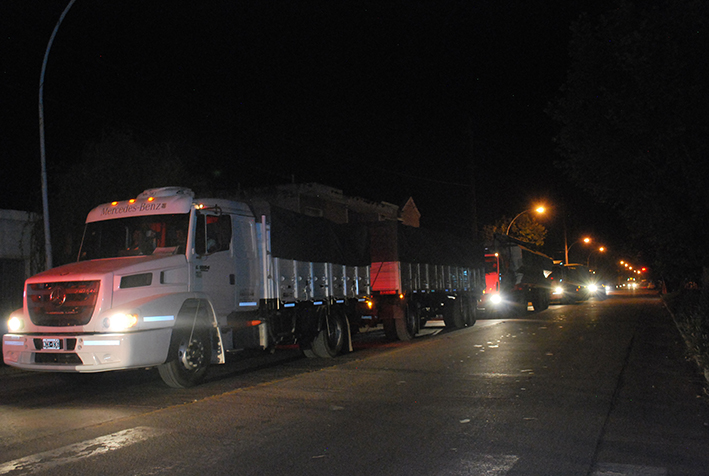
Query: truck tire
pixel 408 325
pixel 518 306
pixel 392 316
pixel 471 312
pixel 190 353
pixel 390 329
pixel 453 314
pixel 331 339
pixel 540 299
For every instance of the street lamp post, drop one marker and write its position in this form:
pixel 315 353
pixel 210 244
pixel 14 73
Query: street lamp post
pixel 538 210
pixel 43 160
pixel 567 248
pixel 601 249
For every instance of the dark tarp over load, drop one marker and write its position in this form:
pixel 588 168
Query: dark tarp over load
pixel 392 241
pixel 305 238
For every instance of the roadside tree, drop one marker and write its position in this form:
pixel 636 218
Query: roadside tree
pixel 634 124
pixel 524 228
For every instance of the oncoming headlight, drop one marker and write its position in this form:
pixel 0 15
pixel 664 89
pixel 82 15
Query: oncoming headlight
pixel 558 290
pixel 120 321
pixel 593 288
pixel 495 299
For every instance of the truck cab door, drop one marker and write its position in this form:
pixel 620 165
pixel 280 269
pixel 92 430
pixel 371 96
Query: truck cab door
pixel 213 266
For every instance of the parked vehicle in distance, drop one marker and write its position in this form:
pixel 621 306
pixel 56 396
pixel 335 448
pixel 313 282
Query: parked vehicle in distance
pixel 569 283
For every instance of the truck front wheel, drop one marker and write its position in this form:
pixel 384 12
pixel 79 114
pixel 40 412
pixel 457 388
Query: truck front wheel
pixel 190 356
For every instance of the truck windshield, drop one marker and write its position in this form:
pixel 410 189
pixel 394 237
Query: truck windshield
pixel 135 236
pixel 490 264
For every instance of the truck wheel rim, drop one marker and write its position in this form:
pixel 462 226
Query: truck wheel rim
pixel 191 354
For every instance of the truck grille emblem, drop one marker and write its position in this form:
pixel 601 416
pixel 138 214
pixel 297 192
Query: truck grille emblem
pixel 58 296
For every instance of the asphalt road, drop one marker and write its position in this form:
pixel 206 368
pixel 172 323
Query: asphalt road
pixel 599 388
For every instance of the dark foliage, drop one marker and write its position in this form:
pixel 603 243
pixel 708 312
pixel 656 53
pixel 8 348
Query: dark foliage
pixel 634 123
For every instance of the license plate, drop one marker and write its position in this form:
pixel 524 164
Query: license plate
pixel 51 344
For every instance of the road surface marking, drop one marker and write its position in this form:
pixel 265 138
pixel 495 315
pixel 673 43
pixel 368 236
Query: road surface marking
pixel 609 469
pixel 489 465
pixel 73 453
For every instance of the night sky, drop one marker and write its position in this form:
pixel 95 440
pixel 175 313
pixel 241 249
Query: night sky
pixel 378 98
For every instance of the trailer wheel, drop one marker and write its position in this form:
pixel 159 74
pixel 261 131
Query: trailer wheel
pixel 190 353
pixel 540 300
pixel 408 326
pixel 331 338
pixel 390 329
pixel 471 312
pixel 453 314
pixel 519 306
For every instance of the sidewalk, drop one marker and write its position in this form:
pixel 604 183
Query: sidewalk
pixel 660 414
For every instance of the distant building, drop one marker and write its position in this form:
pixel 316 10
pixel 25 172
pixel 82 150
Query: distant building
pixel 319 200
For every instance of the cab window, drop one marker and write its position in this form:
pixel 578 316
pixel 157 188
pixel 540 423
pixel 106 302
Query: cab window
pixel 213 234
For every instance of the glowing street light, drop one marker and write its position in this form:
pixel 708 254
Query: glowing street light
pixel 586 240
pixel 601 249
pixel 539 210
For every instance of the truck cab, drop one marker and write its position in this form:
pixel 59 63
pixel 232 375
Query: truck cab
pixel 156 277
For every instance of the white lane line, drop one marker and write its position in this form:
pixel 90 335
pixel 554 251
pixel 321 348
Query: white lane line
pixel 609 469
pixel 72 453
pixel 489 465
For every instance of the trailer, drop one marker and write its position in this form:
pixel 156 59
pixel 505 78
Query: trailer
pixel 515 276
pixel 418 275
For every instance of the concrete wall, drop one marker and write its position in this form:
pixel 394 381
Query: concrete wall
pixel 15 253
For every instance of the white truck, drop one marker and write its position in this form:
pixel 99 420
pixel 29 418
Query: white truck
pixel 171 281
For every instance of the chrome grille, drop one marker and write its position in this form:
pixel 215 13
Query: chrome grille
pixel 62 304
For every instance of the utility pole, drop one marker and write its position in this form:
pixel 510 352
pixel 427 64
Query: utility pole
pixel 473 176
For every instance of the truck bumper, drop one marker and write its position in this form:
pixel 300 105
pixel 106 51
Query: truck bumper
pixel 86 352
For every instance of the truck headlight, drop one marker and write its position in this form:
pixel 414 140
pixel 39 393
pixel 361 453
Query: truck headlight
pixel 496 299
pixel 593 288
pixel 120 321
pixel 15 324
